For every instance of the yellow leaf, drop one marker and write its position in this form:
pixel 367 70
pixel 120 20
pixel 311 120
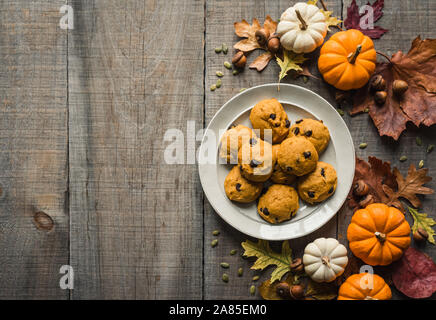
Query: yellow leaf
pixel 314 2
pixel 331 21
pixel 291 61
pixel 267 257
pixel 422 221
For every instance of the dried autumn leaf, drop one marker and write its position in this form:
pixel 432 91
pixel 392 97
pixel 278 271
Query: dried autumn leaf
pixel 375 173
pixel 421 220
pixel 321 291
pixel 267 257
pixel 244 30
pixel 415 274
pixel 354 18
pixel 418 103
pixel 408 187
pixel 261 61
pixel 331 21
pixel 291 61
pixel 268 290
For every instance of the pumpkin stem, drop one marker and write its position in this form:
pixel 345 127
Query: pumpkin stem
pixel 380 236
pixel 353 56
pixel 325 260
pixel 370 298
pixel 303 23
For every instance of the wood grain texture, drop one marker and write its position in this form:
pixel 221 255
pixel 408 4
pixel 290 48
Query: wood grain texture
pixel 135 71
pixel 219 29
pixel 33 143
pixel 405 20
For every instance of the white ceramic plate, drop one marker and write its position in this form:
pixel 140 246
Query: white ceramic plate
pixel 298 103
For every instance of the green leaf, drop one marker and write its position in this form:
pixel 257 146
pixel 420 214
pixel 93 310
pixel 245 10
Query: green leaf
pixel 321 291
pixel 291 61
pixel 267 257
pixel 422 221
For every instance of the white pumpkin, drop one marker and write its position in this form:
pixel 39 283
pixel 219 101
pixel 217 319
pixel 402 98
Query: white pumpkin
pixel 302 28
pixel 325 259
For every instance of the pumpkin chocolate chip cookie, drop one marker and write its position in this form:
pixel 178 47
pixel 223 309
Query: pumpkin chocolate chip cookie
pixel 278 175
pixel 297 156
pixel 313 130
pixel 232 141
pixel 279 203
pixel 318 185
pixel 239 189
pixel 256 160
pixel 269 114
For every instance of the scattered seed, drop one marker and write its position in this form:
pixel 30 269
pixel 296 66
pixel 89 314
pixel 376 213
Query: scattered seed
pixel 233 252
pixel 253 290
pixel 228 65
pixel 219 74
pixel 235 72
pixel 218 83
pixel 419 141
pixel 214 243
pixel 224 265
pixel 430 148
pixel 255 278
pixel 403 158
pixel 363 145
pixel 213 87
pixel 225 48
pixel 305 79
pixel 216 232
pixel 366 110
pixel 421 164
pixel 225 277
pixel 242 89
pixel 218 49
pixel 341 112
pixel 240 272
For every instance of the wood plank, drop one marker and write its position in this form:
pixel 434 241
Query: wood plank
pixel 400 18
pixel 219 29
pixel 33 141
pixel 135 71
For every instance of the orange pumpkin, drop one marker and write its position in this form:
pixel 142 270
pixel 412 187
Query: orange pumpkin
pixel 378 234
pixel 364 286
pixel 347 60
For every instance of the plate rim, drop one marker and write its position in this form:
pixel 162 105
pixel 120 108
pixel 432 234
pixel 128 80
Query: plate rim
pixel 245 92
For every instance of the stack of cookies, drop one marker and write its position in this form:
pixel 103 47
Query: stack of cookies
pixel 270 166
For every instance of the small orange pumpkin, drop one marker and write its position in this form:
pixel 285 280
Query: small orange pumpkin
pixel 347 60
pixel 378 234
pixel 364 286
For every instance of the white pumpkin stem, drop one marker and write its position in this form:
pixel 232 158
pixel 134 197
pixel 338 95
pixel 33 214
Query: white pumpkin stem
pixel 380 236
pixel 303 23
pixel 325 260
pixel 353 56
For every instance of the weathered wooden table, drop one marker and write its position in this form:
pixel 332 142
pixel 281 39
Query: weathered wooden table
pixel 83 115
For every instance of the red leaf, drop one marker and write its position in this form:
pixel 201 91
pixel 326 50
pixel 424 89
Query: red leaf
pixel 354 18
pixel 415 274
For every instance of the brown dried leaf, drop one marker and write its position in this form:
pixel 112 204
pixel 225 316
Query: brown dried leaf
pixel 268 291
pixel 321 291
pixel 408 187
pixel 418 104
pixel 244 30
pixel 261 61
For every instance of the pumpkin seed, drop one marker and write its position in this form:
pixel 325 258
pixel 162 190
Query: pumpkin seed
pixel 255 278
pixel 235 72
pixel 225 48
pixel 233 252
pixel 218 49
pixel 305 79
pixel 224 265
pixel 341 112
pixel 403 158
pixel 214 243
pixel 219 74
pixel 252 290
pixel 366 110
pixel 225 277
pixel 421 164
pixel 363 145
pixel 216 232
pixel 242 89
pixel 218 83
pixel 228 65
pixel 430 148
pixel 240 272
pixel 419 141
pixel 213 87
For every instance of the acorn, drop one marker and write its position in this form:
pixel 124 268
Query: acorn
pixel 399 87
pixel 380 97
pixel 297 292
pixel 297 265
pixel 284 290
pixel 273 43
pixel 239 60
pixel 262 36
pixel 420 235
pixel 360 188
pixel 378 83
pixel 369 199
